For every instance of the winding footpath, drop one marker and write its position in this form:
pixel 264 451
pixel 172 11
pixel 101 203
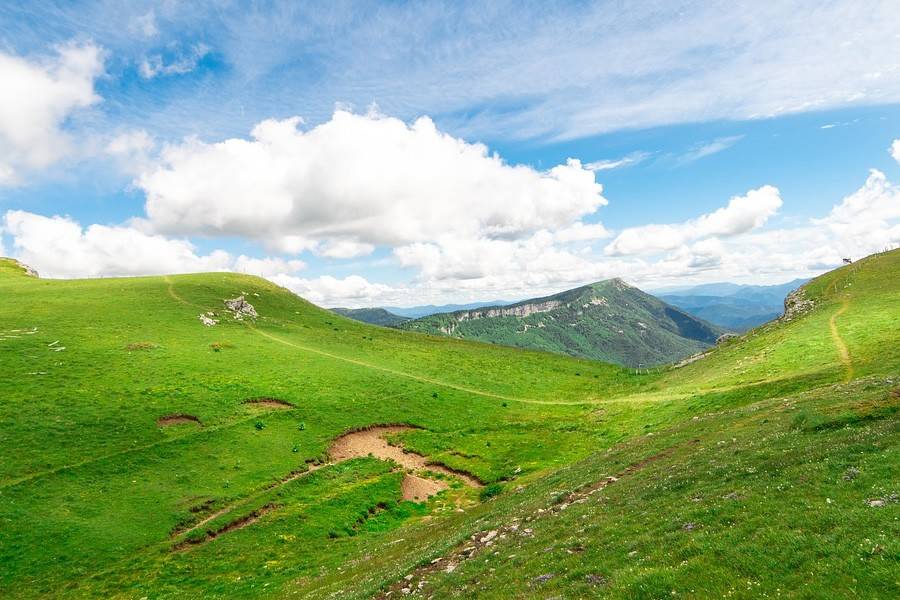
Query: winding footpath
pixel 839 343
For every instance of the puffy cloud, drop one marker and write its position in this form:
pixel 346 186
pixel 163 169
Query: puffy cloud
pixel 864 222
pixel 742 214
pixel 38 97
pixel 502 266
pixel 132 149
pixel 359 181
pixel 877 200
pixel 268 266
pixel 582 232
pixel 352 291
pixel 895 150
pixel 344 249
pixel 60 247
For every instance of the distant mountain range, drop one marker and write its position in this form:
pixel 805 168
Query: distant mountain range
pixel 609 320
pixel 415 312
pixel 730 305
pixel 373 316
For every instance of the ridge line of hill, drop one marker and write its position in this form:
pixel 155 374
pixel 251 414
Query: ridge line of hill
pixel 610 321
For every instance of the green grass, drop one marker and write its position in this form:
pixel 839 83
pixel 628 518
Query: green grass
pixel 91 489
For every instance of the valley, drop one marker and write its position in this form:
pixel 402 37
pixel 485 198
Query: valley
pixel 563 474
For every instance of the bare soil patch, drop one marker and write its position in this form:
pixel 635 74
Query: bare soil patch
pixel 177 419
pixel 417 489
pixel 372 442
pixel 270 403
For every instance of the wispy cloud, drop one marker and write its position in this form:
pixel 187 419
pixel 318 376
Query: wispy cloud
pixel 145 25
pixel 709 148
pixel 562 71
pixel 156 65
pixel 618 163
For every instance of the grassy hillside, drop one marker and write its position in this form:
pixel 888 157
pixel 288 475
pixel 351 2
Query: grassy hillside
pixel 372 316
pixel 770 466
pixel 610 321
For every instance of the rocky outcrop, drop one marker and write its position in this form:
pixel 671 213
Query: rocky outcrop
pixel 519 310
pixel 725 337
pixel 795 304
pixel 29 271
pixel 241 308
pixel 208 320
pixel 599 301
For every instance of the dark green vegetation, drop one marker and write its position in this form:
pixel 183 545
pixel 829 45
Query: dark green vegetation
pixel 372 316
pixel 770 467
pixel 734 307
pixel 610 321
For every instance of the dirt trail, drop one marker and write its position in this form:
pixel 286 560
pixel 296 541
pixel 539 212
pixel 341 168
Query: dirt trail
pixel 174 295
pixel 839 341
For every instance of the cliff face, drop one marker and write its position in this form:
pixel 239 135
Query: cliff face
pixel 609 320
pixel 516 310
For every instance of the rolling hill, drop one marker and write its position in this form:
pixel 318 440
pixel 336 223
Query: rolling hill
pixel 609 320
pixel 732 306
pixel 372 316
pixel 148 454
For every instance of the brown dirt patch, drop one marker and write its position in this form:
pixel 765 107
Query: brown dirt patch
pixel 177 419
pixel 270 403
pixel 372 442
pixel 418 489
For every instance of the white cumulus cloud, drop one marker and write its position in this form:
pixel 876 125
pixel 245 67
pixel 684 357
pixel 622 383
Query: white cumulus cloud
pixel 37 98
pixel 358 181
pixel 351 291
pixel 61 247
pixel 742 214
pixel 267 266
pixel 895 150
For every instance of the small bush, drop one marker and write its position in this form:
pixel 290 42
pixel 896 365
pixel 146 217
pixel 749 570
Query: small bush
pixel 490 490
pixel 259 425
pixel 301 426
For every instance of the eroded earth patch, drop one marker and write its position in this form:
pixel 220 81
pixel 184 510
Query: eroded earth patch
pixel 177 419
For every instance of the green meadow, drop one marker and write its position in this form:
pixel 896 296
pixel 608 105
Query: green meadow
pixel 770 467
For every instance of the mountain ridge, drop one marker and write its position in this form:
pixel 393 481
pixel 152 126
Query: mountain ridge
pixel 609 320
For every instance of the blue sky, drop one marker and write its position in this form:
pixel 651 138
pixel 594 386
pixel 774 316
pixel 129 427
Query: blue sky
pixel 402 153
